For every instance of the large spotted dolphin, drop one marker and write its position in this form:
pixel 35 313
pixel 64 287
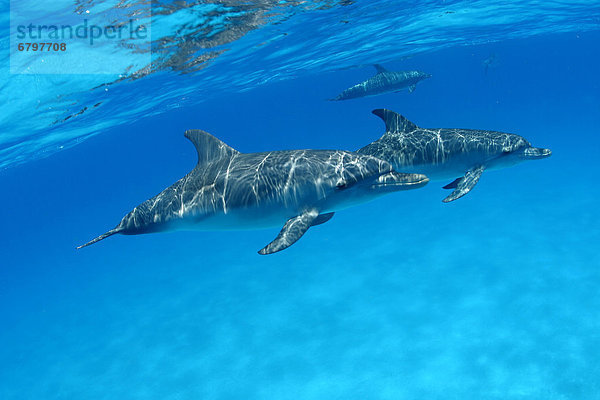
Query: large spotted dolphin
pixel 232 190
pixel 448 153
pixel 382 82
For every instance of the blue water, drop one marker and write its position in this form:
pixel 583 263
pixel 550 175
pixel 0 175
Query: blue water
pixel 493 296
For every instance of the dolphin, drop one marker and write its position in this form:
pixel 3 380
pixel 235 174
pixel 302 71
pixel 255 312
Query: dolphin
pixel 232 190
pixel 382 82
pixel 489 62
pixel 448 153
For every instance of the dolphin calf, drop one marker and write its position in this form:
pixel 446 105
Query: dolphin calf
pixel 382 82
pixel 448 153
pixel 232 190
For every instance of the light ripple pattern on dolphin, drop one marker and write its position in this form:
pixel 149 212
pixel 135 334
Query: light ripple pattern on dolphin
pixel 383 82
pixel 232 190
pixel 443 153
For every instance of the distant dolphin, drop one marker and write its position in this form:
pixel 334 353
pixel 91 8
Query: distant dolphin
pixel 489 62
pixel 382 82
pixel 447 153
pixel 231 190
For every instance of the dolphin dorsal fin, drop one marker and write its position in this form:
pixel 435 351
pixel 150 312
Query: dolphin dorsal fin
pixel 394 122
pixel 209 148
pixel 379 68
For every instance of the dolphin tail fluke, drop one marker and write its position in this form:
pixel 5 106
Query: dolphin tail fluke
pixel 99 238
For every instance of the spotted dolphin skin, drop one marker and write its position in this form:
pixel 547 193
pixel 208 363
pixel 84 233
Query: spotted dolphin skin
pixel 448 153
pixel 382 82
pixel 231 190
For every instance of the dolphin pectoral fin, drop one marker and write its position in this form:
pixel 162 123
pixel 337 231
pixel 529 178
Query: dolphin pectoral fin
pixel 412 88
pixel 322 218
pixel 293 230
pixel 453 184
pixel 464 184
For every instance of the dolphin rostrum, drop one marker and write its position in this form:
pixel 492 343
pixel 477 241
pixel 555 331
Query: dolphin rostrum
pixel 232 190
pixel 382 82
pixel 448 153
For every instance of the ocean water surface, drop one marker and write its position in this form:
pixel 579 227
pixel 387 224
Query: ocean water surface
pixel 493 296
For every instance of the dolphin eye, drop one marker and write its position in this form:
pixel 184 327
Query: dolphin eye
pixel 341 185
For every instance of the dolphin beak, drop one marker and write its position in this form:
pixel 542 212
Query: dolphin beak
pixel 400 181
pixel 533 153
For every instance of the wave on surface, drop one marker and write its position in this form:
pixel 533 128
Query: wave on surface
pixel 204 47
